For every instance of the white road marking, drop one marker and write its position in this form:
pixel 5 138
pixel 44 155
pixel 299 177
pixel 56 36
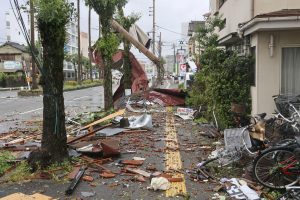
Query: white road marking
pixel 30 111
pixel 79 98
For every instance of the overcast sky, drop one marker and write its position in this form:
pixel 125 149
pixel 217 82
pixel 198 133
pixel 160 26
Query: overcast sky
pixel 170 14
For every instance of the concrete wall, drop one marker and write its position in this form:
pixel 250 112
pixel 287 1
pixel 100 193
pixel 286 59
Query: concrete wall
pixel 265 6
pixel 235 12
pixel 268 68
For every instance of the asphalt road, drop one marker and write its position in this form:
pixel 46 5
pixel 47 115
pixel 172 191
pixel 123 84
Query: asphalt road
pixel 14 109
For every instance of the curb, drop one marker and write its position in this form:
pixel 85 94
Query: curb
pixel 13 88
pixel 24 93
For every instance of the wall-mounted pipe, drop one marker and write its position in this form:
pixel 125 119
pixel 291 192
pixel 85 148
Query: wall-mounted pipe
pixel 271 45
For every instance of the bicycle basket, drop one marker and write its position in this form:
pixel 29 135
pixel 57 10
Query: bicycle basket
pixel 234 139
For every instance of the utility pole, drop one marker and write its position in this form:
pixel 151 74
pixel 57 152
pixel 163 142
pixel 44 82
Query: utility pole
pixel 174 69
pixel 90 56
pixel 79 50
pixel 33 72
pixel 153 33
pixel 159 46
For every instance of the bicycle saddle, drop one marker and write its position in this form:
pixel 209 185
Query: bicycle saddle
pixel 261 115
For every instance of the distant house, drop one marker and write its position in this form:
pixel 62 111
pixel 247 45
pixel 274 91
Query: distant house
pixel 269 30
pixel 14 57
pixel 194 46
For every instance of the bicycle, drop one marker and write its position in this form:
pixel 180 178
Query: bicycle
pixel 279 167
pixel 249 145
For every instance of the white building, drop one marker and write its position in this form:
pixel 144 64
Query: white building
pixel 269 30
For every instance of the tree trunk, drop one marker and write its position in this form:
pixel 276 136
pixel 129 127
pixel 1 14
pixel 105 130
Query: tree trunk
pixel 108 98
pixel 79 78
pixel 54 140
pixel 90 37
pixel 127 66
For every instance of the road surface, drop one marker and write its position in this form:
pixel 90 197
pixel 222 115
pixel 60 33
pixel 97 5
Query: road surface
pixel 14 110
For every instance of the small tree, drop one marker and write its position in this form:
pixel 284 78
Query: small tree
pixel 126 22
pixel 73 58
pixel 52 18
pixel 108 44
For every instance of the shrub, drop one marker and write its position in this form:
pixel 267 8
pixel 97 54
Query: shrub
pixel 71 83
pixel 223 80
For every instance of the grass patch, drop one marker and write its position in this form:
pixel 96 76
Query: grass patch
pixel 59 171
pixel 4 157
pixel 201 120
pixel 21 173
pixel 87 118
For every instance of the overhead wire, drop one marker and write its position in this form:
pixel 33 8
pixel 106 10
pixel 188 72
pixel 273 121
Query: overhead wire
pixel 171 31
pixel 17 13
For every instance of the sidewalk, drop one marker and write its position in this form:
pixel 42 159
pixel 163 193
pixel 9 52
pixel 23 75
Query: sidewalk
pixel 172 148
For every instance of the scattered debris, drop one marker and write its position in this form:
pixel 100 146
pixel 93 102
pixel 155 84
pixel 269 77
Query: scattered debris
pixel 138 171
pixel 185 113
pixel 110 132
pixel 22 196
pixel 159 183
pixel 75 181
pixel 87 194
pixel 239 189
pixel 107 175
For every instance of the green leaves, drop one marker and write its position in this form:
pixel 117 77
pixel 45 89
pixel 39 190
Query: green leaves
pixel 223 78
pixel 108 45
pixel 54 11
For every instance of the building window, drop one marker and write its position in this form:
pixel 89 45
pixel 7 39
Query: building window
pixel 290 71
pixel 8 38
pixel 70 66
pixel 8 24
pixel 7 57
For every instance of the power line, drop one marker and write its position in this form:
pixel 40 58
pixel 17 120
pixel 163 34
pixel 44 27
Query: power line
pixel 171 31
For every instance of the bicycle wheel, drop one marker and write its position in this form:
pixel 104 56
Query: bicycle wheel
pixel 269 168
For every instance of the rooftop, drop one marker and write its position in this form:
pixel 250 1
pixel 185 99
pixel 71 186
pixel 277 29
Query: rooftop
pixel 280 13
pixel 16 45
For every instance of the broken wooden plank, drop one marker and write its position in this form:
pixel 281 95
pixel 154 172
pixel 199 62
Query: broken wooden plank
pixel 89 134
pixel 111 116
pixel 139 171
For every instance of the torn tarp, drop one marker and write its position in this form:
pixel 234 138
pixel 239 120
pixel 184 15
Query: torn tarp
pixel 166 97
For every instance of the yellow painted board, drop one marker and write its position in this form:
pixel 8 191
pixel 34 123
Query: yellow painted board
pixel 113 115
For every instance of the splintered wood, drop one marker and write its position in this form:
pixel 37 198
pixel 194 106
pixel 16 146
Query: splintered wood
pixel 173 159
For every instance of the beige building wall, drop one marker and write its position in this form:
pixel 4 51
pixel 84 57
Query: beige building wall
pixel 18 54
pixel 265 6
pixel 235 12
pixel 268 69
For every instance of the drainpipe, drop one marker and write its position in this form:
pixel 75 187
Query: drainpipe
pixel 271 45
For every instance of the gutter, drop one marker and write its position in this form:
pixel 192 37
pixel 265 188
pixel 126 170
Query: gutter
pixel 254 21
